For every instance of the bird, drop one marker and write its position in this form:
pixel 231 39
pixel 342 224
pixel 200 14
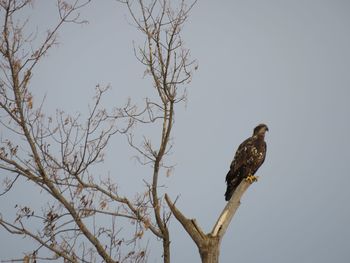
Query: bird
pixel 249 156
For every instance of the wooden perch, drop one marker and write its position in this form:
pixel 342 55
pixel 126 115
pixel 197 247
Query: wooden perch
pixel 209 244
pixel 229 211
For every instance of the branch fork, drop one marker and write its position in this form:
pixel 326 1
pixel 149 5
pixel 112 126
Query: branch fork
pixel 209 244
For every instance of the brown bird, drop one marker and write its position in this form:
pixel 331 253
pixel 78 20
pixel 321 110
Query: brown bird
pixel 249 156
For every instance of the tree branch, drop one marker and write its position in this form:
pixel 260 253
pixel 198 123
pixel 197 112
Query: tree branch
pixel 209 244
pixel 190 225
pixel 229 211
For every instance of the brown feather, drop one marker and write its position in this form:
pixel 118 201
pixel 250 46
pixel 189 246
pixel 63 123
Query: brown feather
pixel 249 156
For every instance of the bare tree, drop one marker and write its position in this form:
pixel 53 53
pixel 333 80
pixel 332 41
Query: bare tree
pixel 209 244
pixel 168 63
pixel 58 155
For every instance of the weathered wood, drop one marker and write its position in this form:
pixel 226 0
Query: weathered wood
pixel 191 226
pixel 211 251
pixel 209 244
pixel 229 211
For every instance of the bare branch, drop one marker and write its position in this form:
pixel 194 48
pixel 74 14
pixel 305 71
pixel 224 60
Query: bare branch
pixel 229 211
pixel 190 225
pixel 209 244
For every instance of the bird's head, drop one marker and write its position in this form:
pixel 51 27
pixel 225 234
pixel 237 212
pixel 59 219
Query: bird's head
pixel 260 129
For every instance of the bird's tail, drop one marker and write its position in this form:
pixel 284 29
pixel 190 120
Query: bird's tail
pixel 231 187
pixel 229 191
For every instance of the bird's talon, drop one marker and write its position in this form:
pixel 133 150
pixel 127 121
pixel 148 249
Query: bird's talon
pixel 251 179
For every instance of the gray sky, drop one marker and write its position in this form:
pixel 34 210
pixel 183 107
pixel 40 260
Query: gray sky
pixel 284 63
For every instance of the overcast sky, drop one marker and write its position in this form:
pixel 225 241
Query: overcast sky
pixel 284 63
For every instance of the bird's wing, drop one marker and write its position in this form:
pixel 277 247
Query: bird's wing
pixel 242 154
pixel 240 158
pixel 260 161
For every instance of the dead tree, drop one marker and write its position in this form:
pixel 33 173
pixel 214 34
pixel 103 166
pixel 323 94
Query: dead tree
pixel 168 64
pixel 209 244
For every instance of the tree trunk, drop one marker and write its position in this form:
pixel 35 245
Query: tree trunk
pixel 166 248
pixel 210 252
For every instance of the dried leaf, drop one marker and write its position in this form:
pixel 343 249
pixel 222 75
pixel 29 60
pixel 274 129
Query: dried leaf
pixel 103 205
